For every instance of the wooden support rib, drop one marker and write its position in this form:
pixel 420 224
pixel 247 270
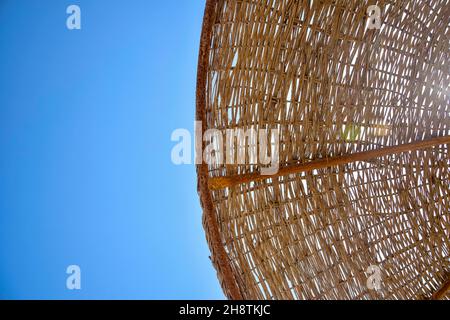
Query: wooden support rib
pixel 218 183
pixel 442 292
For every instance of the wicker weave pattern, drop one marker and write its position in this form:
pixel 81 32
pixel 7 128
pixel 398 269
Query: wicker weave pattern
pixel 312 70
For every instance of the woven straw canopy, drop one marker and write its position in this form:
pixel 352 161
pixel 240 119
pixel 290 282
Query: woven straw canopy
pixel 364 132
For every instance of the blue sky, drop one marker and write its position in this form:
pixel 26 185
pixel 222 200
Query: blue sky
pixel 85 171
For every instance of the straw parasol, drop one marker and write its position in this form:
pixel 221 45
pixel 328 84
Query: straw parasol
pixel 360 205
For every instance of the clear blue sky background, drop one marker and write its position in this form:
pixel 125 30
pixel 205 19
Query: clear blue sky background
pixel 85 171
